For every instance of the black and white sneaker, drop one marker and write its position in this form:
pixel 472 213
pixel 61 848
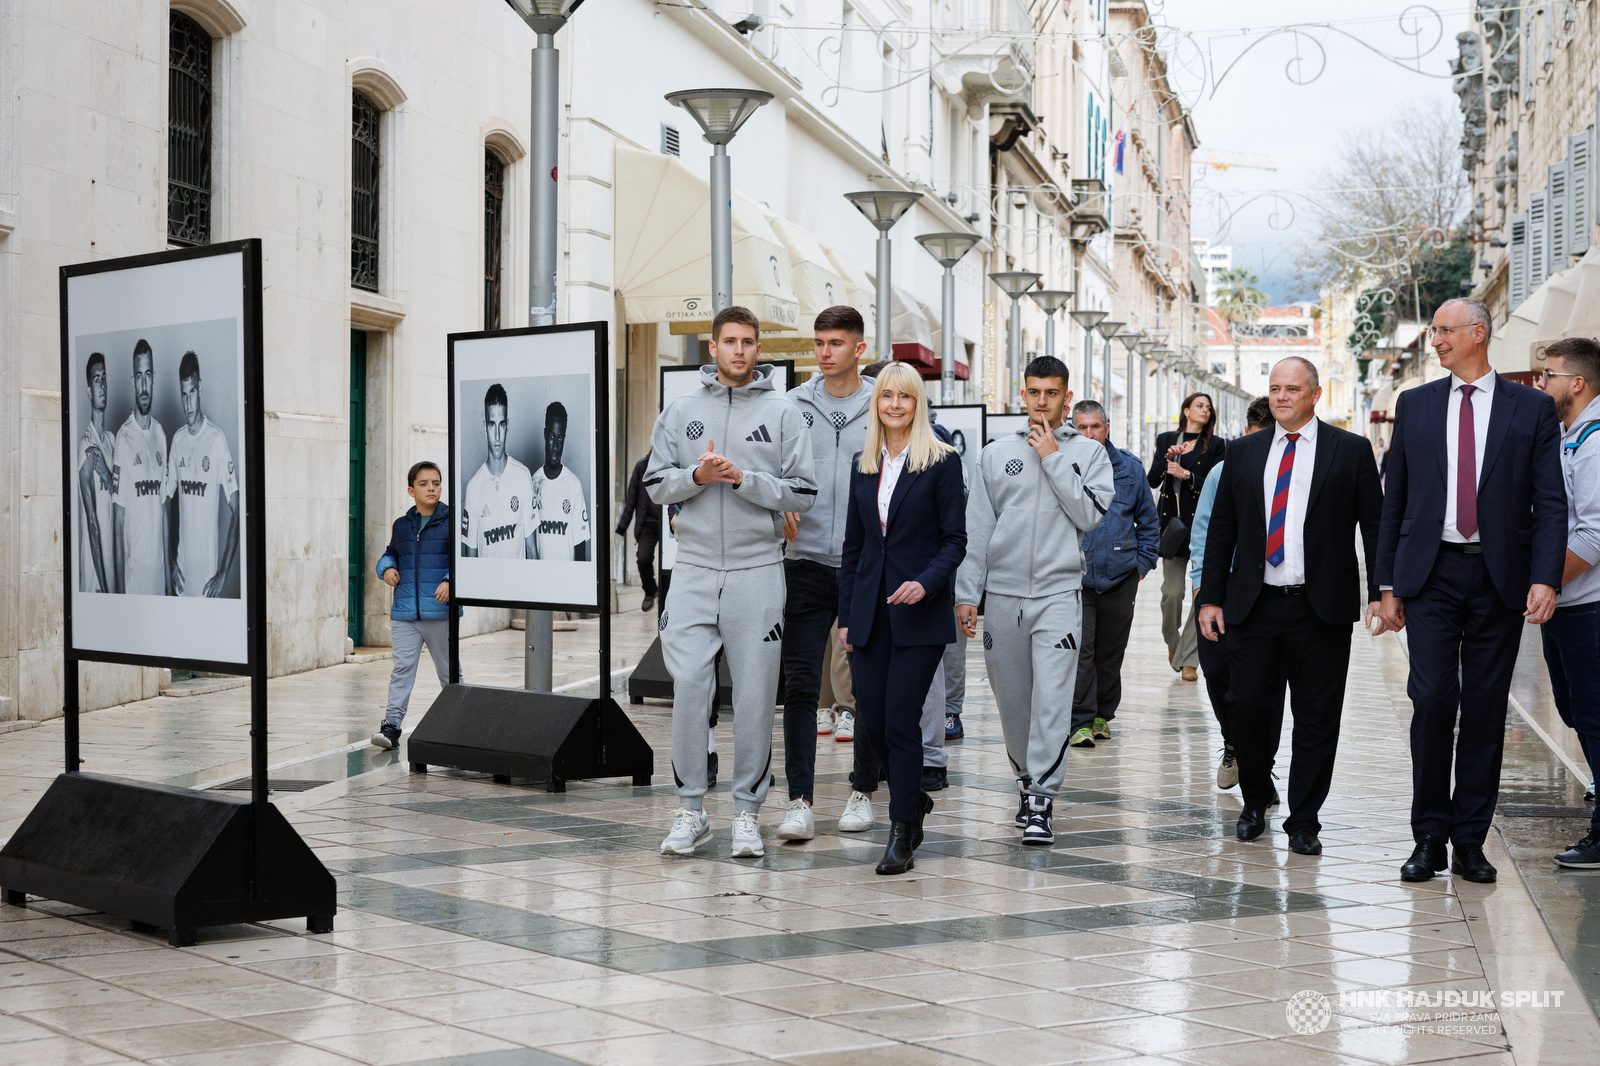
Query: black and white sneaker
pixel 387 737
pixel 1588 793
pixel 1039 829
pixel 1021 820
pixel 1584 855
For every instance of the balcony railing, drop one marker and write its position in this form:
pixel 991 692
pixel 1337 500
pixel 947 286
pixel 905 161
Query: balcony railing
pixel 987 51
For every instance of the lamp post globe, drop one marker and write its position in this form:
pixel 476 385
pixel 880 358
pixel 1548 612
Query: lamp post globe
pixel 947 249
pixel 1050 301
pixel 1014 283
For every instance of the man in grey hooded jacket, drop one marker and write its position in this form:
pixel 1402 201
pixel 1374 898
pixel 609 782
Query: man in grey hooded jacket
pixel 1035 496
pixel 735 456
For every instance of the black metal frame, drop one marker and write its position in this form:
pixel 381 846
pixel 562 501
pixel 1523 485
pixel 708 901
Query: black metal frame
pixel 983 419
pixel 989 418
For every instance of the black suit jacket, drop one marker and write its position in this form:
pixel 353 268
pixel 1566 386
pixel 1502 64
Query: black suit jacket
pixel 1522 503
pixel 925 542
pixel 1344 494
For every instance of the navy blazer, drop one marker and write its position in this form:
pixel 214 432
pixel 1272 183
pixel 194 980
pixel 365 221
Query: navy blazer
pixel 925 542
pixel 1522 504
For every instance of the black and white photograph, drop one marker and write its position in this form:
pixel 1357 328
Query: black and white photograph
pixel 522 494
pixel 999 427
pixel 966 425
pixel 153 386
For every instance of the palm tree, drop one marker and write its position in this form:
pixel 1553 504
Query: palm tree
pixel 1238 299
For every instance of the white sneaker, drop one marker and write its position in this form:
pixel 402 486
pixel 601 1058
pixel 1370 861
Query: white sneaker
pixel 845 728
pixel 747 836
pixel 857 816
pixel 690 829
pixel 824 721
pixel 798 822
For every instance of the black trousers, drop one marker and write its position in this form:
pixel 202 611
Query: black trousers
pixel 1214 667
pixel 1463 641
pixel 808 613
pixel 1283 635
pixel 891 684
pixel 1107 621
pixel 649 538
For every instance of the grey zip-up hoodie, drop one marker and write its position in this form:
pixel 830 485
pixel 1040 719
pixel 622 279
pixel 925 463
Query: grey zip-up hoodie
pixel 719 526
pixel 833 452
pixel 1026 517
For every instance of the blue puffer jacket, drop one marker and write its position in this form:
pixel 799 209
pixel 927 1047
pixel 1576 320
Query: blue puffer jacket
pixel 1126 538
pixel 422 555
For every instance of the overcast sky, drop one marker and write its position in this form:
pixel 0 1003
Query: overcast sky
pixel 1257 109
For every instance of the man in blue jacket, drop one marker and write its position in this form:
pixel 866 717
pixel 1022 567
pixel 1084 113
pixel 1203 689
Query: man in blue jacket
pixel 1117 554
pixel 416 564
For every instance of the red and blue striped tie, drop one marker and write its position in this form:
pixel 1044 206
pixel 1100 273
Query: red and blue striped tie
pixel 1280 502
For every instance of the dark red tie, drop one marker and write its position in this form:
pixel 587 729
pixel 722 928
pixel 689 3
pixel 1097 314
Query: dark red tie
pixel 1467 467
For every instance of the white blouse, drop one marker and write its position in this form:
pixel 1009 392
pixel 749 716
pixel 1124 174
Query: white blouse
pixel 889 471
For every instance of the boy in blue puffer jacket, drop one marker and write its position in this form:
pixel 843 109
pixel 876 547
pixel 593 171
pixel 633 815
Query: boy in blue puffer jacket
pixel 416 564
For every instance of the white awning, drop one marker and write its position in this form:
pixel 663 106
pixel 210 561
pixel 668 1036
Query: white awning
pixel 817 285
pixel 1585 319
pixel 862 295
pixel 663 247
pixel 1511 346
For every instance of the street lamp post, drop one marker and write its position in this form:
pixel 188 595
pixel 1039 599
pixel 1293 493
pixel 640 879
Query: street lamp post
pixel 1014 283
pixel 883 208
pixel 1107 328
pixel 1088 319
pixel 948 248
pixel 720 113
pixel 1144 347
pixel 1050 301
pixel 545 18
pixel 1130 341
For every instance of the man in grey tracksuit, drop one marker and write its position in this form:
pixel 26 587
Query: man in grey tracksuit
pixel 1037 492
pixel 736 457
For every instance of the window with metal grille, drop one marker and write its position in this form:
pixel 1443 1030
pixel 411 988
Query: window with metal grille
pixel 188 132
pixel 494 199
pixel 364 170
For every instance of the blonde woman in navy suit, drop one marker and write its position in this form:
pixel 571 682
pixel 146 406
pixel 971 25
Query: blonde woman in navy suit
pixel 905 534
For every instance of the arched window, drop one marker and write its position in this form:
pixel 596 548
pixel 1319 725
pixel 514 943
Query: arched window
pixel 494 199
pixel 188 132
pixel 365 168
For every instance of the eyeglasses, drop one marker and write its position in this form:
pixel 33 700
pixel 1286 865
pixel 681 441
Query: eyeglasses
pixel 1546 375
pixel 1433 331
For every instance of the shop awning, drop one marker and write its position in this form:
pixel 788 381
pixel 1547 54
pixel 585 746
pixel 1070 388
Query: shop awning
pixel 1585 318
pixel 1513 341
pixel 663 248
pixel 817 285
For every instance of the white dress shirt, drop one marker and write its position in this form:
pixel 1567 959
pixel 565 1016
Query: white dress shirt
pixel 1482 403
pixel 889 470
pixel 1292 571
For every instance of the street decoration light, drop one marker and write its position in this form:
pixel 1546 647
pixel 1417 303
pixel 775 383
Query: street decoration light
pixel 948 248
pixel 720 113
pixel 883 208
pixel 1050 301
pixel 1014 283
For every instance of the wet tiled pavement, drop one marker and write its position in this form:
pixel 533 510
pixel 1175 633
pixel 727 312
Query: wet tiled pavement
pixel 491 924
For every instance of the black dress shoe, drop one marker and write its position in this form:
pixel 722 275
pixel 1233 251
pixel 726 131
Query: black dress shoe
pixel 1427 859
pixel 924 805
pixel 1252 823
pixel 934 778
pixel 1304 842
pixel 1468 862
pixel 897 858
pixel 647 604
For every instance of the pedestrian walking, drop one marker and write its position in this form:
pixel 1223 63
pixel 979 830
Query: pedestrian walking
pixel 1280 580
pixel 645 517
pixel 416 564
pixel 1183 460
pixel 1473 542
pixel 736 456
pixel 833 407
pixel 905 535
pixel 1036 493
pixel 1572 635
pixel 1117 554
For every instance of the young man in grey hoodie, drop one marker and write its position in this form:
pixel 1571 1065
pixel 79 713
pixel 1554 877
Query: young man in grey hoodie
pixel 736 457
pixel 833 406
pixel 1035 495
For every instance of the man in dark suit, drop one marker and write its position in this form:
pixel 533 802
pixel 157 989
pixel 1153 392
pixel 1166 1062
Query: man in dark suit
pixel 1473 541
pixel 1281 579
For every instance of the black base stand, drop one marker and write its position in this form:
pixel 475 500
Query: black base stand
pixel 164 857
pixel 650 679
pixel 539 736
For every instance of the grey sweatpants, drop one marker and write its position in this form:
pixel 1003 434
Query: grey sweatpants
pixel 955 674
pixel 933 720
pixel 408 639
pixel 741 612
pixel 1030 647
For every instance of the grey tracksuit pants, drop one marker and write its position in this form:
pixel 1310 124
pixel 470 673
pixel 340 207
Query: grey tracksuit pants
pixel 1030 647
pixel 409 638
pixel 955 674
pixel 741 612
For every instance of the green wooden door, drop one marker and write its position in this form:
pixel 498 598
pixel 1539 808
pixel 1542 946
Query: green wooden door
pixel 358 483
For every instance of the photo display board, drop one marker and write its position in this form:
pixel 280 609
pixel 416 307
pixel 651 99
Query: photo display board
pixel 997 427
pixel 966 425
pixel 162 501
pixel 528 445
pixel 679 381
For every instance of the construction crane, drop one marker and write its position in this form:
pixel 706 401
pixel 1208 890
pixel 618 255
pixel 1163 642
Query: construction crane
pixel 1242 160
